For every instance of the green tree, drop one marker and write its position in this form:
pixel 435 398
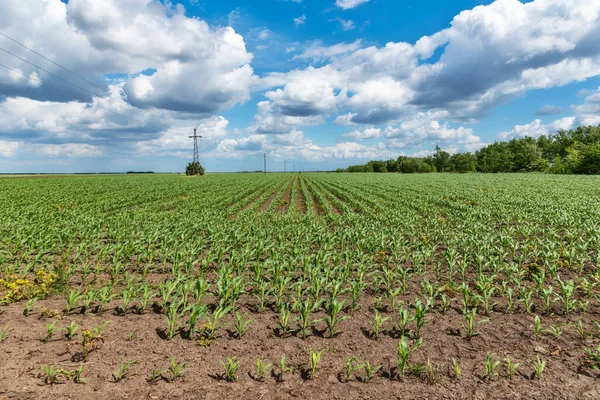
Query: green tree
pixel 194 168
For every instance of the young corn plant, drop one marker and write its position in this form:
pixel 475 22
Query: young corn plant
pixel 213 323
pixel 350 368
pixel 176 370
pixel 333 318
pixel 283 369
pixel 172 318
pixel 231 365
pixel 456 368
pixel 377 324
pixel 73 300
pixel 123 370
pixel 539 366
pixel 537 326
pixel 71 330
pixel 370 371
pixel 29 306
pixel 314 358
pixel 404 352
pixel 4 334
pixel 593 355
pixel 78 374
pixel 49 332
pixel 241 324
pixel 510 367
pixel 303 320
pixel 490 366
pixel 404 319
pixel 261 369
pixel 567 289
pixel 420 311
pixel 470 323
pixel 284 320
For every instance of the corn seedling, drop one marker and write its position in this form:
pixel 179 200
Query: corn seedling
pixel 283 369
pixel 49 332
pixel 333 318
pixel 456 368
pixel 71 330
pixel 377 324
pixel 470 323
pixel 490 366
pixel 404 352
pixel 511 367
pixel 260 370
pixel 539 367
pixel 29 306
pixel 231 365
pixel 313 360
pixel 123 370
pixel 370 371
pixel 4 333
pixel 350 367
pixel 176 369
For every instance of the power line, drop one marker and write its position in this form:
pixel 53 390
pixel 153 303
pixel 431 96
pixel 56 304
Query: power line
pixel 69 82
pixel 60 90
pixel 46 58
pixel 60 66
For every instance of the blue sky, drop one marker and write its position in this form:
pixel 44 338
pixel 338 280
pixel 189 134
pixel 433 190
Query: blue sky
pixel 322 84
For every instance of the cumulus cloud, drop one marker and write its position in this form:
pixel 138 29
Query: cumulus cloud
pixel 488 56
pixel 588 113
pixel 348 4
pixel 367 133
pixel 195 68
pixel 536 128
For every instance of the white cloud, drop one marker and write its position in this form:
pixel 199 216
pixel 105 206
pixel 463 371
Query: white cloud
pixel 536 128
pixel 348 4
pixel 189 65
pixel 588 113
pixel 71 150
pixel 7 149
pixel 367 133
pixel 301 20
pixel 319 52
pixel 346 24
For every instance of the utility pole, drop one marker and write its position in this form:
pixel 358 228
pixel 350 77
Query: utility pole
pixel 195 137
pixel 294 168
pixel 265 162
pixel 284 166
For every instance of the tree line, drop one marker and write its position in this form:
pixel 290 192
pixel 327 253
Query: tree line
pixel 576 151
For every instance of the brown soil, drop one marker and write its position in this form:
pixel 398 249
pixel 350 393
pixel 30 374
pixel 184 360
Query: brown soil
pixel 300 200
pixel 284 204
pixel 23 355
pixel 254 199
pixel 269 200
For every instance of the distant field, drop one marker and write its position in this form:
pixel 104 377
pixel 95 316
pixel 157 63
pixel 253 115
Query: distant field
pixel 348 264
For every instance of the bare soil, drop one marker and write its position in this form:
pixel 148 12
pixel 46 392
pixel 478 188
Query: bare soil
pixel 284 205
pixel 141 338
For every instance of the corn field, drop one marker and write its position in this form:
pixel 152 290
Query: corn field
pixel 298 285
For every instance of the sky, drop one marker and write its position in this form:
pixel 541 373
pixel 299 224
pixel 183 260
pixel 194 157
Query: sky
pixel 119 85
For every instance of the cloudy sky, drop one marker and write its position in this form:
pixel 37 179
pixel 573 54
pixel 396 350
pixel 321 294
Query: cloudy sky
pixel 118 85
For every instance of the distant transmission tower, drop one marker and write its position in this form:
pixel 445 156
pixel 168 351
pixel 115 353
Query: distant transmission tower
pixel 195 137
pixel 284 166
